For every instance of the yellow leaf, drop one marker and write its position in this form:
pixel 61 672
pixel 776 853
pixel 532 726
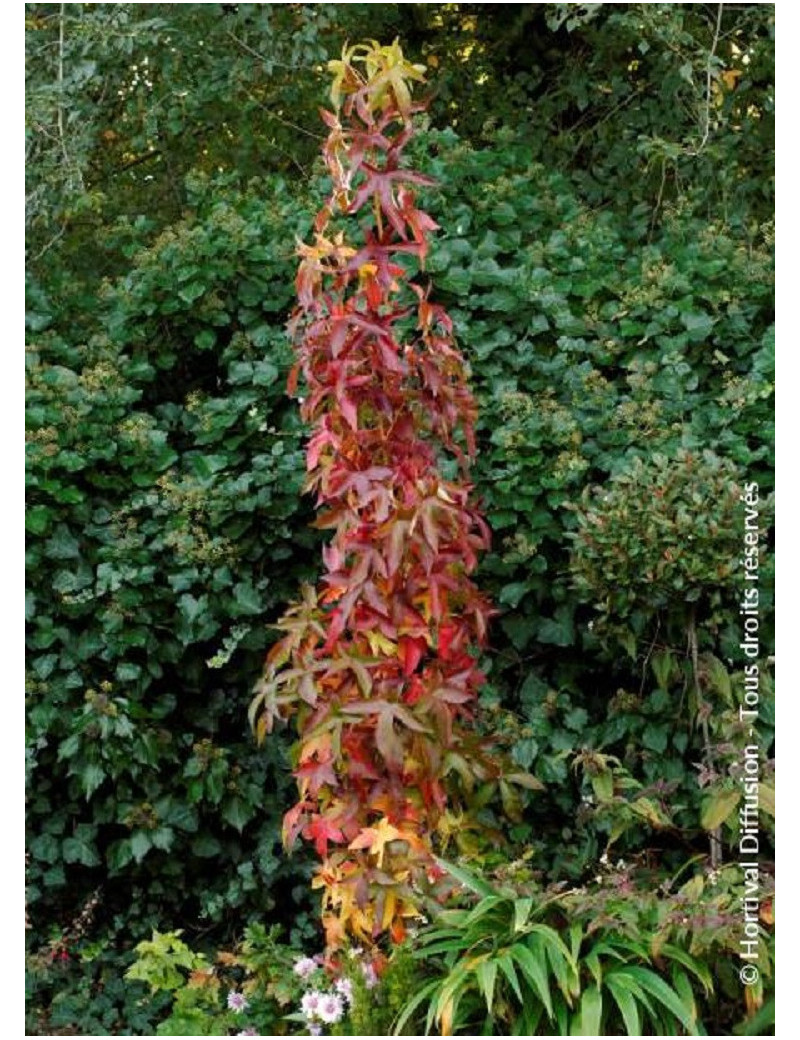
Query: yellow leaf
pixel 381 646
pixel 375 839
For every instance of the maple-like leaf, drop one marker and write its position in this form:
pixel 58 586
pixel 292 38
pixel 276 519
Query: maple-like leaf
pixel 322 830
pixel 375 839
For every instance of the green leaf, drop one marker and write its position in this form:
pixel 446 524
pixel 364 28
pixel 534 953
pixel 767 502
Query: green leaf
pixel 206 339
pixel 603 785
pixel 486 973
pixel 698 325
pixel 506 965
pixel 591 1012
pixel 80 847
pixel 655 737
pixel 664 994
pixel 468 880
pixel 141 844
pixel 91 776
pixel 45 665
pixel 522 912
pixel 45 847
pixel 718 806
pixel 236 812
pixel 535 971
pixel 626 1003
pixel 512 593
pixel 265 373
pixel 162 838
pixel 37 519
pixel 248 599
pixel 128 672
pixel 63 545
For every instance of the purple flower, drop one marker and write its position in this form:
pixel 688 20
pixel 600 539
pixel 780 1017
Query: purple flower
pixel 305 967
pixel 331 1008
pixel 315 1029
pixel 344 987
pixel 370 976
pixel 250 1031
pixel 237 1001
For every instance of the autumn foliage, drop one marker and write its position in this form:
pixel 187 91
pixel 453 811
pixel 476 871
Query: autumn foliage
pixel 375 663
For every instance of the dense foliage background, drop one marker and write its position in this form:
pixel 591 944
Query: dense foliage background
pixel 605 196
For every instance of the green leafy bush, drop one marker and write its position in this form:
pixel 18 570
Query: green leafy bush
pixel 164 469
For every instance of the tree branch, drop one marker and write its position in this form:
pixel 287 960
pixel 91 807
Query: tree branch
pixel 705 120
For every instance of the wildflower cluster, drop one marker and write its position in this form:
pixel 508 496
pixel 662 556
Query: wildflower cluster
pixel 329 993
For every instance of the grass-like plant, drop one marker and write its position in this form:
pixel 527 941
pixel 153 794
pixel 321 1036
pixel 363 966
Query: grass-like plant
pixel 503 969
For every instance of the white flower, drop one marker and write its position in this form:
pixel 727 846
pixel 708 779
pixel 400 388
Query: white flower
pixel 331 1008
pixel 237 1001
pixel 344 987
pixel 309 1005
pixel 305 967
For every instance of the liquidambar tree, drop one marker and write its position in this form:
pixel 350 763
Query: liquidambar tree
pixel 376 663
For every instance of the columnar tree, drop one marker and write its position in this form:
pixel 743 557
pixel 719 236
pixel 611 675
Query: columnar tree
pixel 375 663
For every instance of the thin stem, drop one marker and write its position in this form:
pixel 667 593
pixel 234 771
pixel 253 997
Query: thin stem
pixel 715 837
pixel 60 95
pixel 706 113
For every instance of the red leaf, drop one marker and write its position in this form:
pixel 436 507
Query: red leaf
pixel 447 633
pixel 293 823
pixel 322 830
pixel 411 651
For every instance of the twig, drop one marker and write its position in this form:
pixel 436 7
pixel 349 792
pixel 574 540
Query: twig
pixel 263 58
pixel 706 112
pixel 659 199
pixel 280 119
pixel 649 654
pixel 60 93
pixel 51 242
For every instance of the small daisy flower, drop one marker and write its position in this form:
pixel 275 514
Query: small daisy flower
pixel 305 967
pixel 331 1008
pixel 250 1031
pixel 344 987
pixel 309 1005
pixel 315 1029
pixel 237 1001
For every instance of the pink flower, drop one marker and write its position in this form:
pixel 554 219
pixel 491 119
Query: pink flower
pixel 331 1008
pixel 305 967
pixel 237 1001
pixel 344 987
pixel 309 1005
